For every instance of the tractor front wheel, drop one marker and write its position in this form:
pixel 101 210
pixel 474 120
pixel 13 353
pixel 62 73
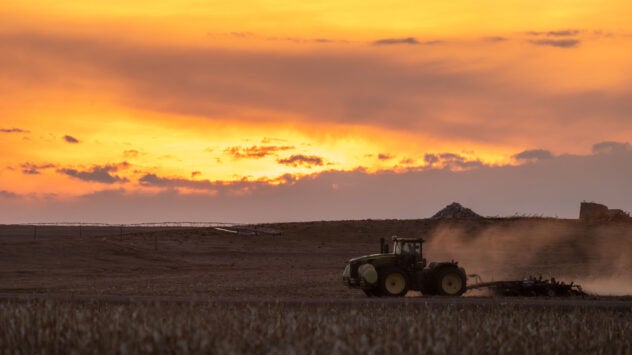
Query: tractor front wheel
pixel 450 281
pixel 394 283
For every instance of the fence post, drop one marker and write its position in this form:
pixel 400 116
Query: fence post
pixel 80 231
pixel 34 232
pixel 121 230
pixel 155 242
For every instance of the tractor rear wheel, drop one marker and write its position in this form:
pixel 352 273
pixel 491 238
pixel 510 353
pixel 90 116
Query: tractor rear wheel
pixel 450 281
pixel 394 283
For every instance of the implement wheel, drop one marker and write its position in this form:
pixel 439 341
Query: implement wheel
pixel 394 283
pixel 450 281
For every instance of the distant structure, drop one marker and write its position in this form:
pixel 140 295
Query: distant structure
pixel 591 211
pixel 455 211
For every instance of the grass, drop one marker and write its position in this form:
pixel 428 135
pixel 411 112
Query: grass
pixel 56 327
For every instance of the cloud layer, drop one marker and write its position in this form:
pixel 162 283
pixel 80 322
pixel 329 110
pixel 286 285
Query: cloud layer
pixel 438 96
pixel 550 187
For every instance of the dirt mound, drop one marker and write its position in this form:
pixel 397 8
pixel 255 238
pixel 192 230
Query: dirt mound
pixel 454 211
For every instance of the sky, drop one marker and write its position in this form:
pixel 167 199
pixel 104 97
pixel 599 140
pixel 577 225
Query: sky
pixel 267 111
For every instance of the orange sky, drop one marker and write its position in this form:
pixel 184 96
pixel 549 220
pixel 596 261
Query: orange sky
pixel 106 95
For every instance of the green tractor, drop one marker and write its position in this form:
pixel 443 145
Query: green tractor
pixel 394 274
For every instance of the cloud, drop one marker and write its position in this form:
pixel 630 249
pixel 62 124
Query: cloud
pixel 321 87
pixel 451 161
pixel 389 41
pixel 559 43
pixel 563 33
pixel 215 187
pixel 533 154
pixel 8 194
pixel 300 159
pixel 71 139
pixel 552 187
pixel 611 147
pixel 100 174
pixel 13 130
pixel 383 156
pixel 495 39
pixel 431 159
pixel 556 33
pixel 156 181
pixel 254 152
pixel 252 35
pixel 131 153
pixel 34 169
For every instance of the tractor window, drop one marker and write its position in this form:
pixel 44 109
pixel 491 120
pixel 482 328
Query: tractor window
pixel 418 249
pixel 397 248
pixel 407 249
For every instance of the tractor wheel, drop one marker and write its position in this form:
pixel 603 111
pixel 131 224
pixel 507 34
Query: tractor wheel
pixel 394 283
pixel 450 281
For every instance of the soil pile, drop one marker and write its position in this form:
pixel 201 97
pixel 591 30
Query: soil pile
pixel 454 211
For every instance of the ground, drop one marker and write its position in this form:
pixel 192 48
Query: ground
pixel 204 290
pixel 304 259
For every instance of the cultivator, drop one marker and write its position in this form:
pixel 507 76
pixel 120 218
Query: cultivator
pixel 530 286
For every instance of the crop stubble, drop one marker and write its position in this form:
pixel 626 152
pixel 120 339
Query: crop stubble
pixel 271 327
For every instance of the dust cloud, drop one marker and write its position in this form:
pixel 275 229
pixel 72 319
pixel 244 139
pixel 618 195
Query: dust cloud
pixel 598 257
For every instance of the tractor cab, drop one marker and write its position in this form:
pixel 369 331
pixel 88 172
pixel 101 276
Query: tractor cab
pixel 410 250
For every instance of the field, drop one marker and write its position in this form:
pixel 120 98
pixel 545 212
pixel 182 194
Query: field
pixel 206 290
pixel 296 328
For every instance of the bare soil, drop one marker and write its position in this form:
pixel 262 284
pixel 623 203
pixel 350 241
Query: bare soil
pixel 304 261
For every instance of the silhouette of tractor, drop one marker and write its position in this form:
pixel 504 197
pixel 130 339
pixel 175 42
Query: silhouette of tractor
pixel 393 274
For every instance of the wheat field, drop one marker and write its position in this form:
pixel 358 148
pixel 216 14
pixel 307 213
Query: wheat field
pixel 58 327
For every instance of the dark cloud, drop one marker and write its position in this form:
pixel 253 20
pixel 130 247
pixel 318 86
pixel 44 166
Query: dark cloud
pixel 495 39
pixel 450 156
pixel 101 174
pixel 13 130
pixel 300 159
pixel 559 43
pixel 195 173
pixel 534 154
pixel 254 152
pixel 389 41
pixel 383 156
pixel 71 139
pixel 611 147
pixel 431 159
pixel 34 169
pixel 563 33
pixel 8 194
pixel 556 33
pixel 216 187
pixel 156 181
pixel 451 161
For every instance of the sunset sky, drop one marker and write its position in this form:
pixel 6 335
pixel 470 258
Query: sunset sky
pixel 254 111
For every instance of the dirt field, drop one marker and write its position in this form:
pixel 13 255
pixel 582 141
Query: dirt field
pixel 305 260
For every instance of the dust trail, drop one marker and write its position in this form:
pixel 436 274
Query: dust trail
pixel 599 257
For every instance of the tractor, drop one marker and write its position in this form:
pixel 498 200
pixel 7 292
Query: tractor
pixel 393 274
